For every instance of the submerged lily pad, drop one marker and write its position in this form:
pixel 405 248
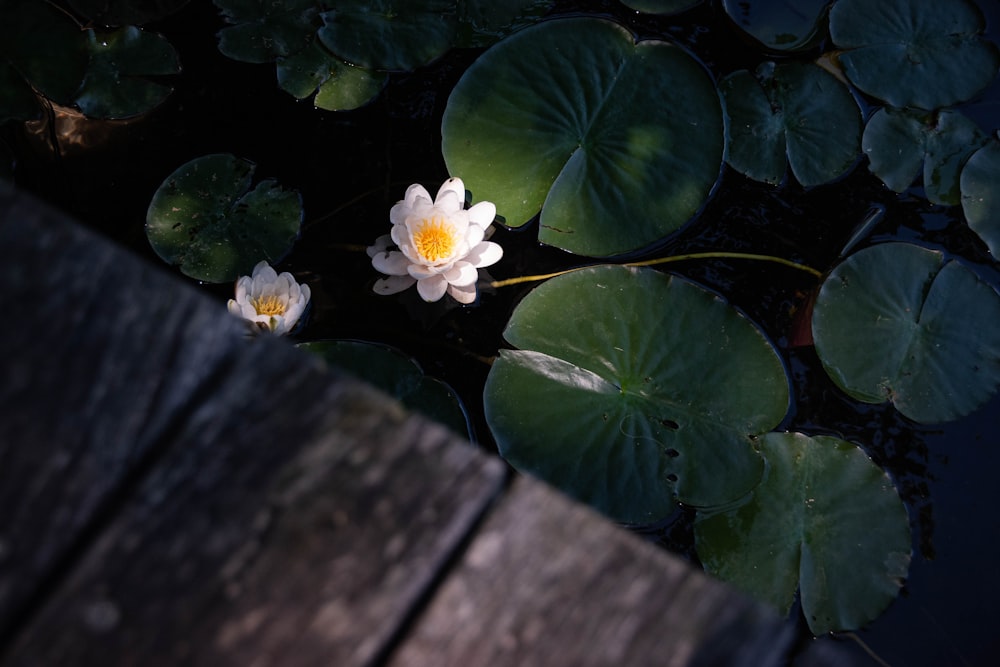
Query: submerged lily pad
pixel 389 34
pixel 776 25
pixel 116 84
pixel 980 186
pixel 483 22
pixel 914 53
pixel 898 141
pixel 264 31
pixel 795 114
pixel 661 6
pixel 633 389
pixel 826 520
pixel 617 143
pixel 206 219
pixel 892 323
pixel 399 376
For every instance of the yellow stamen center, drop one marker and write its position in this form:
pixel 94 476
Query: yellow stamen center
pixel 434 239
pixel 269 305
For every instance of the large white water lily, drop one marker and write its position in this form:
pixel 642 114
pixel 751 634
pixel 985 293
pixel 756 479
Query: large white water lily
pixel 272 301
pixel 441 244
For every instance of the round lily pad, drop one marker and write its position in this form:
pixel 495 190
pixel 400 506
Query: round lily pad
pixel 899 141
pixel 914 53
pixel 338 86
pixel 795 114
pixel 116 83
pixel 44 47
pixel 261 32
pixel 633 389
pixel 892 323
pixel 206 219
pixel 398 375
pixel 776 25
pixel 389 34
pixel 980 187
pixel 617 143
pixel 825 520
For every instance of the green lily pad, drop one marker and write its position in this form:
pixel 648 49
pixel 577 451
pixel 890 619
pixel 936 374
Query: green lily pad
pixel 618 144
pixel 980 187
pixel 914 53
pixel 206 219
pixel 262 32
pixel 892 323
pixel 776 25
pixel 389 34
pixel 648 389
pixel 826 520
pixel 116 83
pixel 899 141
pixel 44 47
pixel 338 86
pixel 795 114
pixel 399 376
pixel 661 6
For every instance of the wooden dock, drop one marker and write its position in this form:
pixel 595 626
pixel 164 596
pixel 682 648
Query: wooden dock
pixel 173 493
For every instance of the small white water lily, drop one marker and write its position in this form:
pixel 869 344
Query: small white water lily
pixel 441 244
pixel 272 301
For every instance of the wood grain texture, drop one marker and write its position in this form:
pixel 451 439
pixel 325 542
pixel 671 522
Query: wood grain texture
pixel 174 493
pixel 548 583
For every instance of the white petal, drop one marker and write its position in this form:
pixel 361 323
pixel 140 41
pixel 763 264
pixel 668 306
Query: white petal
pixel 392 284
pixel 381 244
pixel 486 253
pixel 483 213
pixel 455 185
pixel 243 285
pixel 422 271
pixel 264 272
pixel 306 295
pixel 462 274
pixel 249 312
pixel 400 234
pixel 398 212
pixel 464 294
pixel 234 308
pixel 432 289
pixel 391 263
pixel 474 236
pixel 414 194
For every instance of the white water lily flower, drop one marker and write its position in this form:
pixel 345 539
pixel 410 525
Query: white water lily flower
pixel 272 301
pixel 441 244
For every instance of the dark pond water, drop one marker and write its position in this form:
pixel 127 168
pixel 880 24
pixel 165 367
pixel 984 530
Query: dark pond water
pixel 350 167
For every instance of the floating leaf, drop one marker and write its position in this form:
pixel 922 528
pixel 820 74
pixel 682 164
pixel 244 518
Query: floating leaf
pixel 776 24
pixel 622 142
pixel 340 86
pixel 483 22
pixel 264 31
pixel 826 520
pixel 399 376
pixel 44 47
pixel 661 6
pixel 892 322
pixel 794 109
pixel 115 85
pixel 980 186
pixel 389 34
pixel 898 141
pixel 205 218
pixel 632 387
pixel 914 53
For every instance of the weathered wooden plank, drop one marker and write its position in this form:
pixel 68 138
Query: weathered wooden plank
pixel 172 493
pixel 546 582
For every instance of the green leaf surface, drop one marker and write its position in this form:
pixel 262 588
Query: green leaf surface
pixel 661 6
pixel 483 22
pixel 618 144
pixel 980 187
pixel 893 323
pixel 338 86
pixel 899 141
pixel 792 114
pixel 914 53
pixel 389 34
pixel 263 30
pixel 116 83
pixel 206 219
pixel 632 389
pixel 826 520
pixel 398 375
pixel 778 25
